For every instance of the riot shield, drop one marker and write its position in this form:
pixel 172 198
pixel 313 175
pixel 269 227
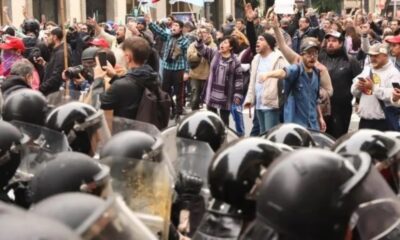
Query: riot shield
pixel 61 97
pixel 322 140
pixel 114 221
pixel 39 145
pixel 120 124
pixel 169 148
pixel 194 157
pixel 146 187
pixel 378 218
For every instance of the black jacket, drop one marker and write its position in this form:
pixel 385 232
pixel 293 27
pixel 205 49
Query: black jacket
pixel 52 79
pixel 11 84
pixel 342 69
pixel 125 94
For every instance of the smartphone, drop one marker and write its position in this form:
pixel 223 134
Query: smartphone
pixel 103 59
pixel 361 79
pixel 396 85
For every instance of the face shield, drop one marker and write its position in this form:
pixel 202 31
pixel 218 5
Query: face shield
pixel 146 187
pixel 187 154
pixel 322 140
pixel 114 221
pixel 378 210
pixel 90 135
pixel 378 219
pixel 145 183
pixel 63 96
pixel 100 184
pixel 39 144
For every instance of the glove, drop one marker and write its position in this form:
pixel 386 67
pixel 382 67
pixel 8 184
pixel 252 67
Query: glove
pixel 188 183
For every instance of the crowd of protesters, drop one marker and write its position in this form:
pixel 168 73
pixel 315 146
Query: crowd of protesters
pixel 328 62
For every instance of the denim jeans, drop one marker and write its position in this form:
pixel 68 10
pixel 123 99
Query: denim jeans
pixel 237 114
pixel 255 131
pixel 267 119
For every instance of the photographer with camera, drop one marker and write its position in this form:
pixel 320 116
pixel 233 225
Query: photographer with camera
pixel 124 94
pixel 52 79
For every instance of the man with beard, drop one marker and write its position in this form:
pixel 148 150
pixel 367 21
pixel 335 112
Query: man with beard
pixel 114 41
pixel 52 79
pixel 342 69
pixel 174 62
pixel 374 88
pixel 302 83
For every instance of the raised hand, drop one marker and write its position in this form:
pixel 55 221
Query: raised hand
pixel 250 13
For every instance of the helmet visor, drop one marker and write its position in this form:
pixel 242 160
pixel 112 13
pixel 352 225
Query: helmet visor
pixel 39 145
pixel 146 187
pixel 114 221
pixel 377 218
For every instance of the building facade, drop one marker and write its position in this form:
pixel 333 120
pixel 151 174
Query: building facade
pixel 115 10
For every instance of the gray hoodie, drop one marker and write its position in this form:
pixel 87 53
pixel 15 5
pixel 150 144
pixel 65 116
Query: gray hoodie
pixel 369 107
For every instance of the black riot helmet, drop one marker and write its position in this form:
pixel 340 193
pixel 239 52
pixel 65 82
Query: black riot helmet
pixel 312 193
pixel 69 172
pixel 290 134
pixel 25 105
pixel 236 171
pixel 82 125
pixel 93 217
pixel 10 151
pixel 31 26
pixel 133 145
pixel 203 126
pixel 380 146
pixel 29 226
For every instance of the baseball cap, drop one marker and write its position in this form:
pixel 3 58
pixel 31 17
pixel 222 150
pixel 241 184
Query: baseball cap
pixel 378 48
pixel 334 34
pixel 309 43
pixel 395 39
pixel 100 42
pixel 13 43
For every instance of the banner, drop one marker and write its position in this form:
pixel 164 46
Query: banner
pixel 284 7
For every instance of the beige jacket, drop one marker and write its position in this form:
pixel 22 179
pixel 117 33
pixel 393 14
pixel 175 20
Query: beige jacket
pixel 115 47
pixel 270 95
pixel 202 71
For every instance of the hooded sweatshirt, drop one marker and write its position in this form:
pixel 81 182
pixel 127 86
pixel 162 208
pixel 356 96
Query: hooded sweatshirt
pixel 124 94
pixel 13 83
pixel 369 107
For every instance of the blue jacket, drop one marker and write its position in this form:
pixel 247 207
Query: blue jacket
pixel 303 93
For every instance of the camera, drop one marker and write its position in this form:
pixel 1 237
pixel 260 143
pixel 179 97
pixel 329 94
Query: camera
pixel 73 72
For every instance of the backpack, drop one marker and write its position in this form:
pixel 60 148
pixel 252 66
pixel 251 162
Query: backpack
pixel 154 107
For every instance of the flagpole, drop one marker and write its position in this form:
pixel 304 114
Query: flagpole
pixel 62 7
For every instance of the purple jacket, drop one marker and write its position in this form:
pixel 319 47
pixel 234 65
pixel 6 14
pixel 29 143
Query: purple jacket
pixel 225 81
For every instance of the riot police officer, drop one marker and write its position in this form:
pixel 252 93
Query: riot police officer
pixel 312 194
pixel 84 126
pixel 291 134
pixel 11 140
pixel 383 148
pixel 234 177
pixel 140 174
pixel 25 105
pixel 69 172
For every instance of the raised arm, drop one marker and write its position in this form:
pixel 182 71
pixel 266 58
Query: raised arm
pixel 290 55
pixel 157 30
pixel 250 30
